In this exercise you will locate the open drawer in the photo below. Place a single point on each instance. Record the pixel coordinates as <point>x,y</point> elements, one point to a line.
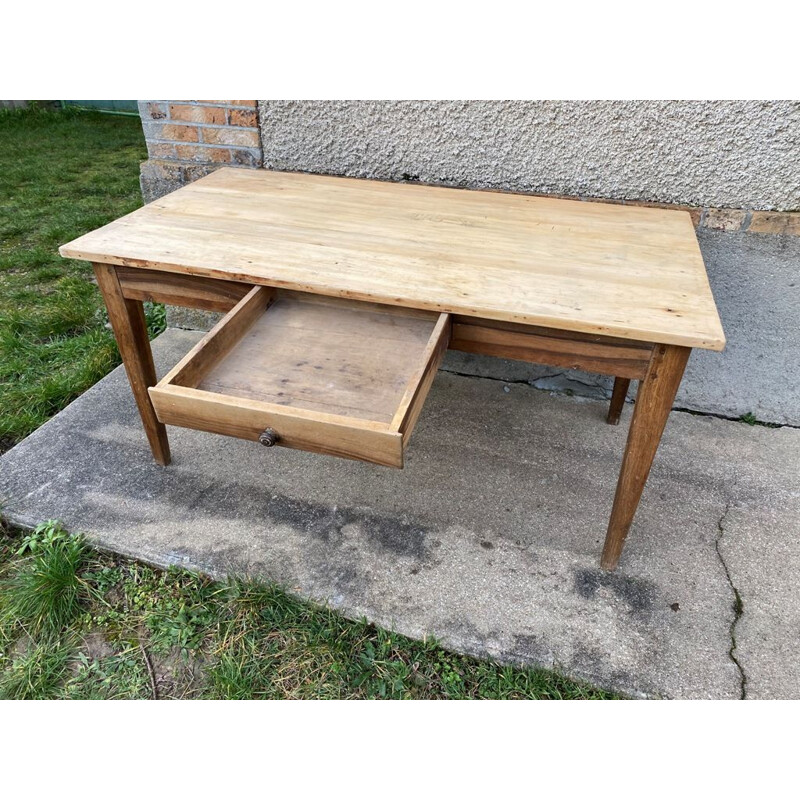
<point>332,376</point>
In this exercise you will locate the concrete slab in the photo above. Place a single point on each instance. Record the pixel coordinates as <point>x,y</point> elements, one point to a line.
<point>488,540</point>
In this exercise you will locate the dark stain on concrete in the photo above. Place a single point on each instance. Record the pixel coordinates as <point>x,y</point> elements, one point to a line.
<point>588,660</point>
<point>397,536</point>
<point>345,578</point>
<point>637,593</point>
<point>311,518</point>
<point>531,648</point>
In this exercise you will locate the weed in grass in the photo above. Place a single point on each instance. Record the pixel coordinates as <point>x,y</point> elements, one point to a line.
<point>43,592</point>
<point>120,676</point>
<point>176,606</point>
<point>155,315</point>
<point>243,671</point>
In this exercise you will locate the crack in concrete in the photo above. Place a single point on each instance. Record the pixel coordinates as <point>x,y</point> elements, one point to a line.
<point>490,378</point>
<point>531,383</point>
<point>738,604</point>
<point>759,423</point>
<point>571,379</point>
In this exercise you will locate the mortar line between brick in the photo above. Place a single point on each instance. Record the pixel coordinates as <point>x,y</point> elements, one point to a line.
<point>206,144</point>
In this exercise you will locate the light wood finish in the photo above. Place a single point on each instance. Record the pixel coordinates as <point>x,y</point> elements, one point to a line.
<point>629,272</point>
<point>612,289</point>
<point>418,386</point>
<point>336,357</point>
<point>603,354</point>
<point>617,400</point>
<point>130,329</point>
<point>653,403</point>
<point>180,290</point>
<point>221,339</point>
<point>333,376</point>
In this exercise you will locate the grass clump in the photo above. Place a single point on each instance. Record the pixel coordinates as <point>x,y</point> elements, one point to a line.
<point>43,592</point>
<point>41,597</point>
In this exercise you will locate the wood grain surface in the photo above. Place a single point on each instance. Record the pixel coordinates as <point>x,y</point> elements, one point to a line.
<point>623,271</point>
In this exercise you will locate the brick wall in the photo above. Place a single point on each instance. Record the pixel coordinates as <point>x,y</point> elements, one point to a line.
<point>187,139</point>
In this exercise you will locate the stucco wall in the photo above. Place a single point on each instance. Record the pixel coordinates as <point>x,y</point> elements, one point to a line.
<point>735,154</point>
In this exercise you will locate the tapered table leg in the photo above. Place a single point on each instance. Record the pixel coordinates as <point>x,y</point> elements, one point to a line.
<point>617,400</point>
<point>130,329</point>
<point>653,403</point>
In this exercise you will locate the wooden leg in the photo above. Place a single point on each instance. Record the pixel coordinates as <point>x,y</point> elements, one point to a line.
<point>617,400</point>
<point>127,321</point>
<point>653,403</point>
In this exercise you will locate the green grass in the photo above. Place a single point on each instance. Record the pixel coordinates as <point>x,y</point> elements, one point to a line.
<point>61,174</point>
<point>43,596</point>
<point>100,624</point>
<point>38,673</point>
<point>75,623</point>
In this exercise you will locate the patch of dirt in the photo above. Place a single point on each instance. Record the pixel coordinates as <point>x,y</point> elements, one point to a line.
<point>95,646</point>
<point>178,676</point>
<point>20,647</point>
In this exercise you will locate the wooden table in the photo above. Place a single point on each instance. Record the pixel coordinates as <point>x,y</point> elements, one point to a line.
<point>343,294</point>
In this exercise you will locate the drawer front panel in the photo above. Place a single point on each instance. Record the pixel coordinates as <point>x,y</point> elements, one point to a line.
<point>336,436</point>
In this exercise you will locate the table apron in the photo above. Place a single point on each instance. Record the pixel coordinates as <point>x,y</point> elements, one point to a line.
<point>178,289</point>
<point>605,355</point>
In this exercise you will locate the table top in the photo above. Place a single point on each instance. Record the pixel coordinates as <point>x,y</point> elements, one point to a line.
<point>618,270</point>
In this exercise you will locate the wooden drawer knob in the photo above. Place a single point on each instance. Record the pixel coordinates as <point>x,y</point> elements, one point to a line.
<point>269,437</point>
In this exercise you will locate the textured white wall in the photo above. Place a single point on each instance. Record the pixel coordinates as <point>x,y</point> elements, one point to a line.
<point>737,154</point>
